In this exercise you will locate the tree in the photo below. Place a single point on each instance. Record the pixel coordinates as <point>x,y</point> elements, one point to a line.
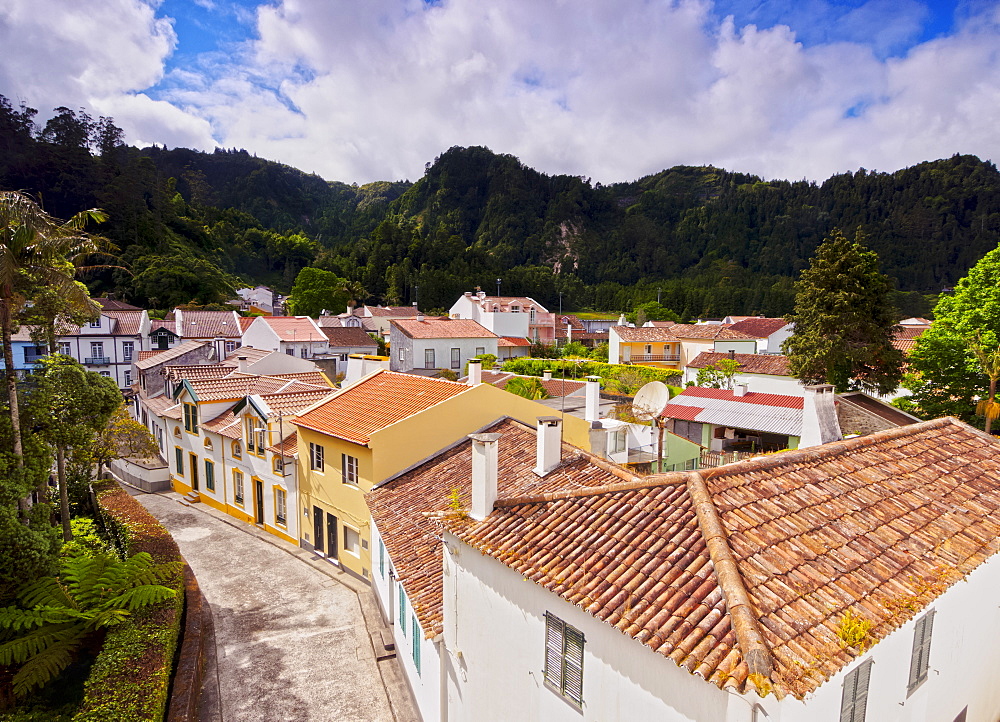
<point>844,320</point>
<point>316,290</point>
<point>122,437</point>
<point>945,376</point>
<point>989,362</point>
<point>650,311</point>
<point>37,251</point>
<point>719,375</point>
<point>528,388</point>
<point>58,614</point>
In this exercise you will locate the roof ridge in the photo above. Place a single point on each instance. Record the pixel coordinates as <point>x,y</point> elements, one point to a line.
<point>636,482</point>
<point>744,618</point>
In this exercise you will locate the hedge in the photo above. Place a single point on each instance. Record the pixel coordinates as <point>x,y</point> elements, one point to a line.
<point>578,369</point>
<point>130,679</point>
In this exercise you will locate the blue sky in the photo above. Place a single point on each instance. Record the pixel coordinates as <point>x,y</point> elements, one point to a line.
<point>361,91</point>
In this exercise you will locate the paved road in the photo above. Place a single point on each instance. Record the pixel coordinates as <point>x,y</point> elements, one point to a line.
<point>292,642</point>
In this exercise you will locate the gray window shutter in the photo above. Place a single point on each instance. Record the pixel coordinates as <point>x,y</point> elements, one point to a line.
<point>920,656</point>
<point>573,675</point>
<point>554,629</point>
<point>854,698</point>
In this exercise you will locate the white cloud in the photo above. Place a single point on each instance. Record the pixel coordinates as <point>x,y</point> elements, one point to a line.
<point>374,90</point>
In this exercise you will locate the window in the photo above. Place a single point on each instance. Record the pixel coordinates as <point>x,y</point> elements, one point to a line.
<point>280,501</point>
<point>238,487</point>
<point>106,374</point>
<point>617,444</point>
<point>315,457</point>
<point>209,475</point>
<point>290,351</point>
<point>349,469</point>
<point>920,659</point>
<point>97,349</point>
<point>402,610</point>
<point>179,460</point>
<point>191,418</point>
<point>65,347</point>
<point>456,358</point>
<point>128,378</point>
<point>278,464</point>
<point>531,320</point>
<point>207,443</point>
<point>649,348</point>
<point>381,558</point>
<point>352,541</point>
<point>854,698</point>
<point>480,350</point>
<point>429,358</point>
<point>304,352</point>
<point>515,309</point>
<point>95,324</point>
<point>256,436</point>
<point>127,348</point>
<point>230,346</point>
<point>237,450</point>
<point>417,639</point>
<point>401,355</point>
<point>564,659</point>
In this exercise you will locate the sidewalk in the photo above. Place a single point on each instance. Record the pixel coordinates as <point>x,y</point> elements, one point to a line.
<point>306,604</point>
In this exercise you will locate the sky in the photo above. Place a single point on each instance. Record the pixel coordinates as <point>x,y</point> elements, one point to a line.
<point>358,91</point>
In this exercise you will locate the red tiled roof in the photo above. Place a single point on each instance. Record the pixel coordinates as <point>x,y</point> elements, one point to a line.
<point>376,401</point>
<point>351,336</point>
<point>441,328</point>
<point>110,304</point>
<point>504,302</point>
<point>245,322</point>
<point>293,328</point>
<point>143,355</point>
<point>880,525</point>
<point>318,378</point>
<point>751,397</point>
<point>239,385</point>
<point>210,324</point>
<point>392,311</point>
<point>708,331</point>
<point>169,354</point>
<point>413,540</point>
<point>644,334</point>
<point>513,341</point>
<point>905,338</point>
<point>156,324</point>
<point>750,363</point>
<point>288,447</point>
<point>759,327</point>
<point>129,323</point>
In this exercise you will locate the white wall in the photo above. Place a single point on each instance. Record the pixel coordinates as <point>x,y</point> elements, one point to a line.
<point>442,350</point>
<point>761,383</point>
<point>495,635</point>
<point>772,344</point>
<point>727,345</point>
<point>506,324</point>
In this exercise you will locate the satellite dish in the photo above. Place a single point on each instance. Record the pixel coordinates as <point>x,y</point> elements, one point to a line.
<point>650,401</point>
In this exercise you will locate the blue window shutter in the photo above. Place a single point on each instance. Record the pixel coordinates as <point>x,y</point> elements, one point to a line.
<point>402,610</point>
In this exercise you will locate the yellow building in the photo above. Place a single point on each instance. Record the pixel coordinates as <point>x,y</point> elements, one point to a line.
<point>377,428</point>
<point>647,346</point>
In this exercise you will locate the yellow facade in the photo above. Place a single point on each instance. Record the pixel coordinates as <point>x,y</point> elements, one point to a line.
<point>659,355</point>
<point>396,448</point>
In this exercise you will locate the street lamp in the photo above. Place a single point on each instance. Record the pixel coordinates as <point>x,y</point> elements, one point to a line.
<point>498,287</point>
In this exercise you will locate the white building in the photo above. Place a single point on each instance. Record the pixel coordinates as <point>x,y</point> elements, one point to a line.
<point>222,328</point>
<point>814,585</point>
<point>109,344</point>
<point>763,373</point>
<point>769,333</point>
<point>429,344</point>
<point>293,335</point>
<point>511,316</point>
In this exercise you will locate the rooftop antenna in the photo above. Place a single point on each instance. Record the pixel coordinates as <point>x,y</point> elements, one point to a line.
<point>648,405</point>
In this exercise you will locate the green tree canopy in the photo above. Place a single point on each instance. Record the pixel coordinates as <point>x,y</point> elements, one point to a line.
<point>718,375</point>
<point>844,320</point>
<point>316,290</point>
<point>946,378</point>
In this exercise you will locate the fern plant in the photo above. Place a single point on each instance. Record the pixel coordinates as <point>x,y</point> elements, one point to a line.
<point>57,615</point>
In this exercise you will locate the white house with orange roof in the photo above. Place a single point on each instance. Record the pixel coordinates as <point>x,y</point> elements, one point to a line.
<point>293,335</point>
<point>769,333</point>
<point>221,328</point>
<point>434,343</point>
<point>514,316</point>
<point>109,344</point>
<point>377,427</point>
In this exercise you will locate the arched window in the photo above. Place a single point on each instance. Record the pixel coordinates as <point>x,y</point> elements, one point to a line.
<point>237,450</point>
<point>177,431</point>
<point>278,463</point>
<point>208,444</point>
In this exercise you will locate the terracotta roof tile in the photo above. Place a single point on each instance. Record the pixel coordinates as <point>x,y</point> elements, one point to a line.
<point>513,341</point>
<point>554,386</point>
<point>156,324</point>
<point>399,507</point>
<point>129,323</point>
<point>317,378</point>
<point>169,354</point>
<point>143,355</point>
<point>110,304</point>
<point>442,328</point>
<point>236,386</point>
<point>349,336</point>
<point>245,322</point>
<point>750,363</point>
<point>288,447</point>
<point>393,311</point>
<point>293,328</point>
<point>708,331</point>
<point>376,401</point>
<point>210,324</point>
<point>751,397</point>
<point>880,525</point>
<point>644,333</point>
<point>505,302</point>
<point>759,327</point>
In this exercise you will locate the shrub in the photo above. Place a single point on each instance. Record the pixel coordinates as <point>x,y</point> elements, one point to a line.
<point>573,368</point>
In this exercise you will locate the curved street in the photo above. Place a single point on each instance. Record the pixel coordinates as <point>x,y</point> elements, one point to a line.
<point>290,630</point>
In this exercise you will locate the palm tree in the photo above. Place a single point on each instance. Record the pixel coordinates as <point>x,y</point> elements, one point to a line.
<point>989,361</point>
<point>36,251</point>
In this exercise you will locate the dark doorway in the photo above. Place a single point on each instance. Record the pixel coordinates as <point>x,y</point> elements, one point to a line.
<point>331,536</point>
<point>318,528</point>
<point>258,487</point>
<point>194,472</point>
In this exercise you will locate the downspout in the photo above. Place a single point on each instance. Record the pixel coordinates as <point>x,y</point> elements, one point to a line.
<point>442,678</point>
<point>740,608</point>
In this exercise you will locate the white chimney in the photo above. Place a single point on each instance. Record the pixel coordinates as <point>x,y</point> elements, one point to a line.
<point>592,404</point>
<point>549,444</point>
<point>468,294</point>
<point>740,390</point>
<point>819,416</point>
<point>475,372</point>
<point>598,438</point>
<point>569,332</point>
<point>420,316</point>
<point>481,295</point>
<point>484,474</point>
<point>242,365</point>
<point>547,375</point>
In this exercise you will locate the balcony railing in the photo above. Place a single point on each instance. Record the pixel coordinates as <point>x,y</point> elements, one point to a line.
<point>97,361</point>
<point>33,358</point>
<point>669,358</point>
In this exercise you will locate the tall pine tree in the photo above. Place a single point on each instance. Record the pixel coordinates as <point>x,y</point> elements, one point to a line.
<point>844,320</point>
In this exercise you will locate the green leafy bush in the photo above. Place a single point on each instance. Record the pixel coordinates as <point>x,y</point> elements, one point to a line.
<point>576,368</point>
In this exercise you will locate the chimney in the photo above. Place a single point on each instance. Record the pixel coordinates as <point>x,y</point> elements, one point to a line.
<point>420,316</point>
<point>592,403</point>
<point>475,372</point>
<point>484,474</point>
<point>732,354</point>
<point>740,390</point>
<point>481,295</point>
<point>547,375</point>
<point>468,294</point>
<point>598,438</point>
<point>549,444</point>
<point>242,365</point>
<point>819,416</point>
<point>569,332</point>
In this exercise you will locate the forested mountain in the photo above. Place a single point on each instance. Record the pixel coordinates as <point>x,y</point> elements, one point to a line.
<point>190,224</point>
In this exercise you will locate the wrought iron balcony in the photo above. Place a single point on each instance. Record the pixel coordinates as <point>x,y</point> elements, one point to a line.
<point>97,361</point>
<point>668,358</point>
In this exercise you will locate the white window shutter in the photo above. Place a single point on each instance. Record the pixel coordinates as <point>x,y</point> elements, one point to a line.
<point>554,629</point>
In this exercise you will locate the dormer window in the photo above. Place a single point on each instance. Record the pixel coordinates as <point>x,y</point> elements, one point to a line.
<point>515,309</point>
<point>95,324</point>
<point>278,464</point>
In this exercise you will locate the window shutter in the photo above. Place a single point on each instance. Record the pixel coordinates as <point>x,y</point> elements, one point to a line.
<point>554,633</point>
<point>920,656</point>
<point>417,639</point>
<point>573,674</point>
<point>402,610</point>
<point>854,699</point>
